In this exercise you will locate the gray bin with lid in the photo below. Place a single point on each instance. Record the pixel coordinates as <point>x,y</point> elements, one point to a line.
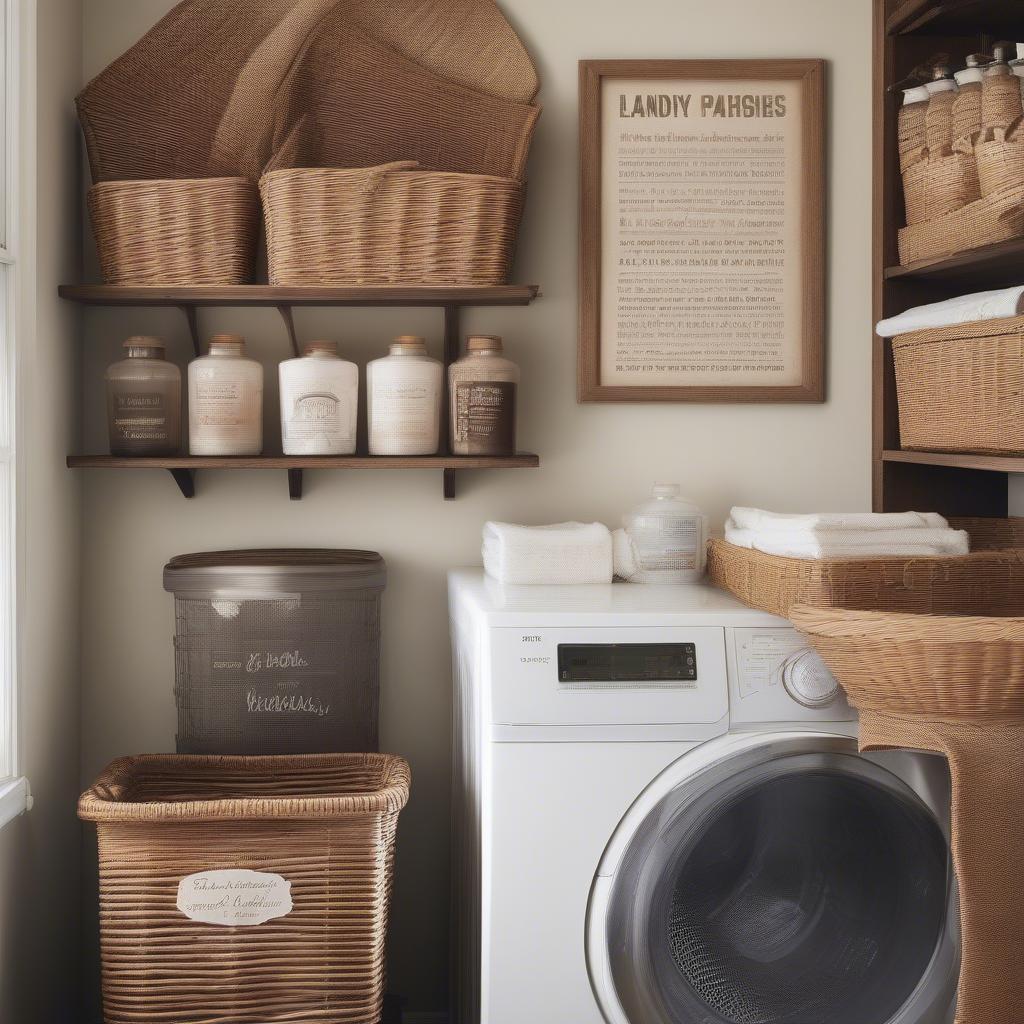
<point>276,652</point>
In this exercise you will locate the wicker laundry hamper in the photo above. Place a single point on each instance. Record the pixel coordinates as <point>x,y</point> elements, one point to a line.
<point>953,685</point>
<point>242,890</point>
<point>984,582</point>
<point>961,388</point>
<point>392,224</point>
<point>196,231</point>
<point>276,651</point>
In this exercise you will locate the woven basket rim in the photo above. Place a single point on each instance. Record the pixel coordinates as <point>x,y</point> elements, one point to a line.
<point>973,330</point>
<point>879,560</point>
<point>179,182</point>
<point>103,801</point>
<point>933,626</point>
<point>326,172</point>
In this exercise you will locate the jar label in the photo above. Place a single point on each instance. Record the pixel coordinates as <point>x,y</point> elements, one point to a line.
<point>485,417</point>
<point>234,897</point>
<point>219,403</point>
<point>316,416</point>
<point>140,417</point>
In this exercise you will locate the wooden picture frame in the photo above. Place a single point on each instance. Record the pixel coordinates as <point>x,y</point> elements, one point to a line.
<point>799,363</point>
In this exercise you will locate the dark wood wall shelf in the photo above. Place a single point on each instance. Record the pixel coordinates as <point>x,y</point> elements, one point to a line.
<point>450,299</point>
<point>184,467</point>
<point>908,32</point>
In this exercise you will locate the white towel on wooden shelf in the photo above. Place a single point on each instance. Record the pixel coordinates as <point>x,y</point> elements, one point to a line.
<point>924,542</point>
<point>560,553</point>
<point>822,522</point>
<point>964,309</point>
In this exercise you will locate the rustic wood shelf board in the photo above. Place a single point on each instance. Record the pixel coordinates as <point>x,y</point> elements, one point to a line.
<point>959,460</point>
<point>184,467</point>
<point>268,295</point>
<point>992,266</point>
<point>955,17</point>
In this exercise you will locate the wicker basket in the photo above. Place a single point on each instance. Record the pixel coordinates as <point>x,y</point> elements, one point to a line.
<point>319,831</point>
<point>983,582</point>
<point>1000,164</point>
<point>191,231</point>
<point>961,388</point>
<point>995,218</point>
<point>955,686</point>
<point>1001,106</point>
<point>935,188</point>
<point>391,224</point>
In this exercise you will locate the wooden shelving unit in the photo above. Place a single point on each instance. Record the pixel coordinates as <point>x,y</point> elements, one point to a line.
<point>451,300</point>
<point>907,32</point>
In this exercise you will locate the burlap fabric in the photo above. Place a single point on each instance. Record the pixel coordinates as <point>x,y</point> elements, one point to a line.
<point>955,686</point>
<point>215,87</point>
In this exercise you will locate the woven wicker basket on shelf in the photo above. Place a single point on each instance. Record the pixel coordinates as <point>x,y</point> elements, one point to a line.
<point>960,388</point>
<point>191,231</point>
<point>983,582</point>
<point>995,218</point>
<point>392,224</point>
<point>319,828</point>
<point>1000,164</point>
<point>935,188</point>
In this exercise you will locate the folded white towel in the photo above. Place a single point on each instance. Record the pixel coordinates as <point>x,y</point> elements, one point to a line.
<point>994,305</point>
<point>623,557</point>
<point>851,544</point>
<point>561,553</point>
<point>825,522</point>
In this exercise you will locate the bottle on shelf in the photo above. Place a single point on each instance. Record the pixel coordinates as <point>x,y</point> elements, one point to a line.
<point>967,105</point>
<point>913,139</point>
<point>225,400</point>
<point>939,119</point>
<point>1002,105</point>
<point>482,388</point>
<point>319,402</point>
<point>144,401</point>
<point>403,399</point>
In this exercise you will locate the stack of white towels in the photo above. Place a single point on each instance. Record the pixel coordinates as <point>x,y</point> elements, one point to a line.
<point>845,534</point>
<point>566,553</point>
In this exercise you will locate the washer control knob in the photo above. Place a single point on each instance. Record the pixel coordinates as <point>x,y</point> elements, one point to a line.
<point>808,681</point>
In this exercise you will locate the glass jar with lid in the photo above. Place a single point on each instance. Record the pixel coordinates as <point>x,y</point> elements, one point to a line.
<point>403,399</point>
<point>482,387</point>
<point>666,536</point>
<point>144,401</point>
<point>319,402</point>
<point>225,400</point>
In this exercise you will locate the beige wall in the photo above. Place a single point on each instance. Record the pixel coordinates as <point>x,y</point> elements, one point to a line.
<point>597,460</point>
<point>39,852</point>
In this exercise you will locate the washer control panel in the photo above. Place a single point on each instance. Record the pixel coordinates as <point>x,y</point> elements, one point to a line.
<point>775,676</point>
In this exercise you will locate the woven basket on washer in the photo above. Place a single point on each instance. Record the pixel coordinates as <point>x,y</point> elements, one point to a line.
<point>935,188</point>
<point>190,231</point>
<point>961,388</point>
<point>319,829</point>
<point>983,582</point>
<point>995,218</point>
<point>952,685</point>
<point>392,224</point>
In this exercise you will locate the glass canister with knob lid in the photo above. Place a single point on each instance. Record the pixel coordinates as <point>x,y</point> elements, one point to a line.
<point>665,537</point>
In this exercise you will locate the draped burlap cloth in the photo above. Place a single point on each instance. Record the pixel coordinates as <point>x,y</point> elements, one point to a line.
<point>955,686</point>
<point>217,86</point>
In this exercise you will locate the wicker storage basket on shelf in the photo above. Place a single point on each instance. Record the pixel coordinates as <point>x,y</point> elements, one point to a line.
<point>392,224</point>
<point>982,583</point>
<point>935,188</point>
<point>960,388</point>
<point>995,218</point>
<point>1000,165</point>
<point>298,937</point>
<point>953,685</point>
<point>192,231</point>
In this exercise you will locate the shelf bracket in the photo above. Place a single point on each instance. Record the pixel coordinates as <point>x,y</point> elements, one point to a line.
<point>192,318</point>
<point>448,484</point>
<point>289,323</point>
<point>186,481</point>
<point>295,484</point>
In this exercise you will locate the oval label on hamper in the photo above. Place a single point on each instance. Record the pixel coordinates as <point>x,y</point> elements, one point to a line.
<point>234,897</point>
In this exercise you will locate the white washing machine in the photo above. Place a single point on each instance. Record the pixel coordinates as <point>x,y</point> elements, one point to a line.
<point>661,818</point>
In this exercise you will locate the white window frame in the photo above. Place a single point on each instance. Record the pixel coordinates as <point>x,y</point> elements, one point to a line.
<point>14,790</point>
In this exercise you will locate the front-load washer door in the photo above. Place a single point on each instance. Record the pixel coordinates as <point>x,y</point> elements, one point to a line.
<point>792,881</point>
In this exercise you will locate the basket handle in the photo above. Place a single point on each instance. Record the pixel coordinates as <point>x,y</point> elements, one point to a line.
<point>375,175</point>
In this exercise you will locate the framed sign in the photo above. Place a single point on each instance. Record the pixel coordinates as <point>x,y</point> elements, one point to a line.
<point>702,240</point>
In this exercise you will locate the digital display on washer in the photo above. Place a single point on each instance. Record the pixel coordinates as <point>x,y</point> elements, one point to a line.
<point>627,663</point>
